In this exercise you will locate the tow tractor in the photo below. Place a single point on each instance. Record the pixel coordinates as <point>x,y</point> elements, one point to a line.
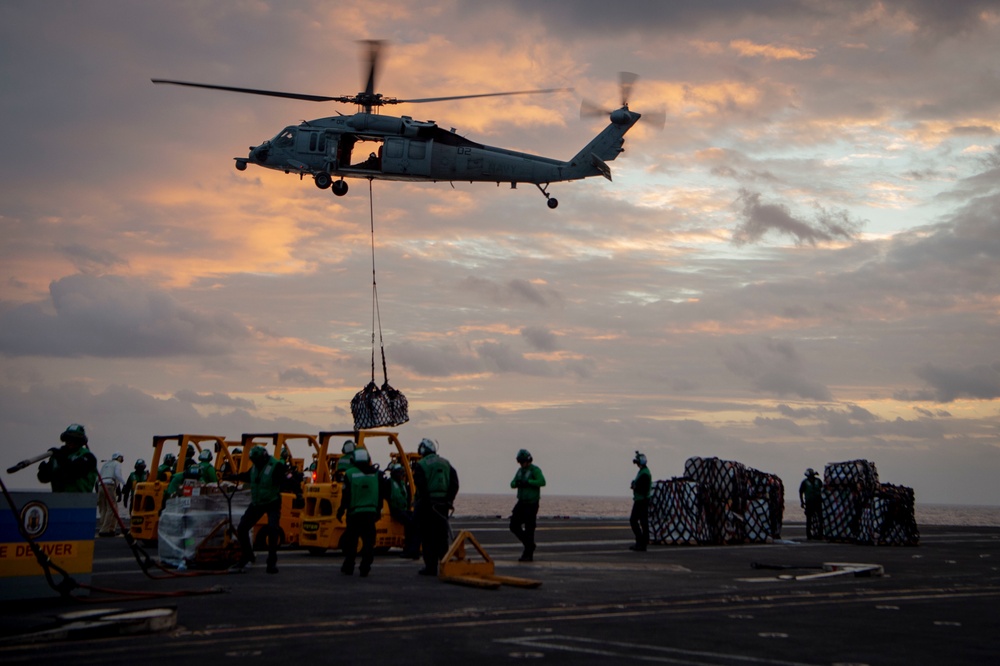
<point>321,530</point>
<point>292,502</point>
<point>150,494</point>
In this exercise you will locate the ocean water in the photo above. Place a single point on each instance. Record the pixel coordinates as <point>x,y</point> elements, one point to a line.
<point>579,506</point>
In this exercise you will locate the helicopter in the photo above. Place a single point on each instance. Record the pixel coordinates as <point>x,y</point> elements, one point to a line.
<point>373,146</point>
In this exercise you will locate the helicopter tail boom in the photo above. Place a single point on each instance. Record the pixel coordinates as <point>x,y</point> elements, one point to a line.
<point>606,146</point>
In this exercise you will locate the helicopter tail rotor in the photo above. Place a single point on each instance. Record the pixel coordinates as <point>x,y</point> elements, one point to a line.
<point>626,83</point>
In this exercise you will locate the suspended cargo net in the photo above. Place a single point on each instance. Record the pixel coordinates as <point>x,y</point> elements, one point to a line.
<point>716,502</point>
<point>375,406</point>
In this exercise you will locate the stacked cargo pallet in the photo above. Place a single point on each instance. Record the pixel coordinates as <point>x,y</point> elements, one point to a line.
<point>857,508</point>
<point>715,502</point>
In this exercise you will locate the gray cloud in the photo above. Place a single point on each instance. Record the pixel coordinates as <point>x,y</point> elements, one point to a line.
<point>300,377</point>
<point>89,259</point>
<point>214,399</point>
<point>981,382</point>
<point>113,317</point>
<point>513,292</point>
<point>760,218</point>
<point>774,367</point>
<point>540,338</point>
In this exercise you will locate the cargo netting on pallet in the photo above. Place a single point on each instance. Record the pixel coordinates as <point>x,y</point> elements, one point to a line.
<point>715,502</point>
<point>848,488</point>
<point>889,520</point>
<point>374,407</point>
<point>857,508</point>
<point>677,513</point>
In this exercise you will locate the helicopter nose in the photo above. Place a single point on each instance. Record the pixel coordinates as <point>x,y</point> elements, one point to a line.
<point>259,153</point>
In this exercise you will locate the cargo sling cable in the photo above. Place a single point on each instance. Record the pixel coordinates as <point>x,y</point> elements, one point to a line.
<point>376,314</point>
<point>67,584</point>
<point>374,407</point>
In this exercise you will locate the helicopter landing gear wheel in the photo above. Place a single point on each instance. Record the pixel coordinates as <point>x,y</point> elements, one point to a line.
<point>323,180</point>
<point>340,188</point>
<point>550,200</point>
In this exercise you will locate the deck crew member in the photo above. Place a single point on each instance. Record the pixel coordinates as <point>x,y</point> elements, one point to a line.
<point>810,498</point>
<point>399,509</point>
<point>206,469</point>
<point>265,477</point>
<point>139,475</point>
<point>164,471</point>
<point>642,488</point>
<point>436,484</point>
<point>109,491</point>
<point>72,468</point>
<point>528,480</point>
<point>361,499</point>
<point>346,461</point>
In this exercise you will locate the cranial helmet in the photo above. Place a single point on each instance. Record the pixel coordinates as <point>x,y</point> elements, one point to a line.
<point>140,463</point>
<point>117,456</point>
<point>205,455</point>
<point>524,455</point>
<point>427,446</point>
<point>640,458</point>
<point>362,457</point>
<point>170,459</point>
<point>258,452</point>
<point>810,472</point>
<point>348,446</point>
<point>74,432</point>
<point>395,469</point>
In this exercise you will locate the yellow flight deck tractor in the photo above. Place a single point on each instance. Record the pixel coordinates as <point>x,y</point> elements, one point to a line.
<point>300,448</point>
<point>150,495</point>
<point>321,530</point>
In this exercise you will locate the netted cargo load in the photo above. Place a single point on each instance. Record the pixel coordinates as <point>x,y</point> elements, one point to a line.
<point>374,407</point>
<point>767,502</point>
<point>677,513</point>
<point>859,474</point>
<point>889,519</point>
<point>848,490</point>
<point>841,508</point>
<point>729,489</point>
<point>186,523</point>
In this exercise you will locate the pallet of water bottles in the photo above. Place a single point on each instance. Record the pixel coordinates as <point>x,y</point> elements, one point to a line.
<point>857,508</point>
<point>716,502</point>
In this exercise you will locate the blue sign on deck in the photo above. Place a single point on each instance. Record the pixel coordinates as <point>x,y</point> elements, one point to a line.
<point>61,524</point>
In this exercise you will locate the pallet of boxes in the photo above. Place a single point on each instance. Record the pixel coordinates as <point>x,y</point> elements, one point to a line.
<point>716,502</point>
<point>857,508</point>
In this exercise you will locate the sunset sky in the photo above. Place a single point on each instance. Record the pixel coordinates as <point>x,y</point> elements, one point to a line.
<point>801,267</point>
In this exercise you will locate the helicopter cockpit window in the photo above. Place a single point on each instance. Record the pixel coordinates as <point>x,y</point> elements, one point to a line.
<point>285,138</point>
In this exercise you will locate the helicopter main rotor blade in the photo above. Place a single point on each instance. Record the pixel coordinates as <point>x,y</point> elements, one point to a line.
<point>497,94</point>
<point>374,48</point>
<point>254,91</point>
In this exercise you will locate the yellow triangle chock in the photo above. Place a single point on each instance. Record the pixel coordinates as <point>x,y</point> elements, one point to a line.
<point>457,567</point>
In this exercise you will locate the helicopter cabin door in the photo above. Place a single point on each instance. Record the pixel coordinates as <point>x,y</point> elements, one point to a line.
<point>407,156</point>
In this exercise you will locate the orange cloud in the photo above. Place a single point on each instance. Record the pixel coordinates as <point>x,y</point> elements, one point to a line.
<point>749,49</point>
